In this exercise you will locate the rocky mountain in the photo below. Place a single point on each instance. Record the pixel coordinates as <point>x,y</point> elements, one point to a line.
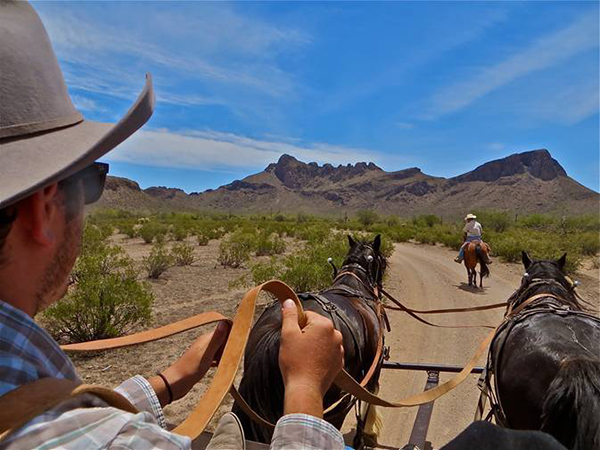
<point>524,182</point>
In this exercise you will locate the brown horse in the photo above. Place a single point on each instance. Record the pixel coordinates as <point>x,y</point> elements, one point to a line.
<point>477,252</point>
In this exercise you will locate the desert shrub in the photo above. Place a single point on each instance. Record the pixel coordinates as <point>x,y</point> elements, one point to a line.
<point>265,271</point>
<point>426,220</point>
<point>279,218</point>
<point>106,300</point>
<point>312,233</point>
<point>587,243</point>
<point>424,237</point>
<point>498,221</point>
<point>128,230</point>
<point>302,217</point>
<point>202,238</point>
<point>235,250</point>
<point>537,222</point>
<point>158,261</point>
<point>269,244</point>
<point>392,221</point>
<point>367,217</point>
<point>179,232</point>
<point>147,232</point>
<point>182,254</point>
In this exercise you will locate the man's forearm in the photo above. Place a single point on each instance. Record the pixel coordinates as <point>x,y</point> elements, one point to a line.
<point>300,399</point>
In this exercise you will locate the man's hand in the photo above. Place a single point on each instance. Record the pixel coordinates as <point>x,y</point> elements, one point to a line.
<point>184,373</point>
<point>309,360</point>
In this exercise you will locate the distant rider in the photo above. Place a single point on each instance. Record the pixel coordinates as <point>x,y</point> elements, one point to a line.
<point>472,232</point>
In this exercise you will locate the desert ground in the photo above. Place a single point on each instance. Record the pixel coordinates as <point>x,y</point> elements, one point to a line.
<point>422,276</point>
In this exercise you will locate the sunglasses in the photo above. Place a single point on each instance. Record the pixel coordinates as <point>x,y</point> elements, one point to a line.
<point>93,178</point>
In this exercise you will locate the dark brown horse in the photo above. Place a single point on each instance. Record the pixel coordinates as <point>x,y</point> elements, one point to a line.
<point>546,360</point>
<point>477,252</point>
<point>352,304</point>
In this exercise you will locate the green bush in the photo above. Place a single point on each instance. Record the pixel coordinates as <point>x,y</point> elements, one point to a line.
<point>236,249</point>
<point>182,254</point>
<point>269,244</point>
<point>158,261</point>
<point>106,300</point>
<point>179,233</point>
<point>147,232</point>
<point>367,217</point>
<point>498,221</point>
<point>128,230</point>
<point>202,238</point>
<point>426,220</point>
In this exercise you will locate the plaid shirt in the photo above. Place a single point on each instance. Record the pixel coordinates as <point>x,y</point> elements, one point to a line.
<point>28,353</point>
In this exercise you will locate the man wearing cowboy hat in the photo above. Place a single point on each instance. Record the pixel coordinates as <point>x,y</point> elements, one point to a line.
<point>472,232</point>
<point>48,171</point>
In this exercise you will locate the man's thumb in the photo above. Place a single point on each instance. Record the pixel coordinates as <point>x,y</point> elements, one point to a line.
<point>289,314</point>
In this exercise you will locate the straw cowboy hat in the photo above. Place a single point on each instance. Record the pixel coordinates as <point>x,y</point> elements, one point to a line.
<point>43,138</point>
<point>470,216</point>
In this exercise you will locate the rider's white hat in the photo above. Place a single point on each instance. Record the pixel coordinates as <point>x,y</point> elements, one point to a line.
<point>470,216</point>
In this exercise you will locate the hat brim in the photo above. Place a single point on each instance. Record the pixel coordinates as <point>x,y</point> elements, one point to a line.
<point>35,161</point>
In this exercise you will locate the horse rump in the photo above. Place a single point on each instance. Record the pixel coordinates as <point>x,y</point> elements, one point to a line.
<point>571,411</point>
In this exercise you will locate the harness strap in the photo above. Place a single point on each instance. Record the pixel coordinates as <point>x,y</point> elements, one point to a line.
<point>411,313</point>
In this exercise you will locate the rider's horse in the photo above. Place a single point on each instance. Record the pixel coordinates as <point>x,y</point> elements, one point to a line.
<point>545,360</point>
<point>477,252</point>
<point>352,304</point>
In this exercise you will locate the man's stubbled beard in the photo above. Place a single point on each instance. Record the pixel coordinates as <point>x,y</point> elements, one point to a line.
<point>54,280</point>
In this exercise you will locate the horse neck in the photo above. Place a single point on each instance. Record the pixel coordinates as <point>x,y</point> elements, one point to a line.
<point>354,282</point>
<point>563,295</point>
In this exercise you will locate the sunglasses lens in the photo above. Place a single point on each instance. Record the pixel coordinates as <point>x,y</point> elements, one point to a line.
<point>93,183</point>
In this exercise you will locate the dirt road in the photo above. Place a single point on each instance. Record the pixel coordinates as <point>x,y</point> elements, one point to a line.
<point>425,277</point>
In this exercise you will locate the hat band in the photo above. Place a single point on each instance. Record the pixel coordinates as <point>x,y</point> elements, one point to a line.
<point>24,129</point>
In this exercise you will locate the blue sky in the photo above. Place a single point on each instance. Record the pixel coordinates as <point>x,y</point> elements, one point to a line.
<point>444,86</point>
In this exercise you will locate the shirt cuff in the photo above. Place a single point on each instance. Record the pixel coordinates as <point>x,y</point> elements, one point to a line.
<point>141,395</point>
<point>305,432</point>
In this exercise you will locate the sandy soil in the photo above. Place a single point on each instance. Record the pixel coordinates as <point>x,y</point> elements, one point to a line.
<point>423,277</point>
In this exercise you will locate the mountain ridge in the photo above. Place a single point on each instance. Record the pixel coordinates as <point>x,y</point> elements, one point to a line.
<point>526,182</point>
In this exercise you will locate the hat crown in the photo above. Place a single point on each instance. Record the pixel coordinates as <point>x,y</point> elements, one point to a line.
<point>33,93</point>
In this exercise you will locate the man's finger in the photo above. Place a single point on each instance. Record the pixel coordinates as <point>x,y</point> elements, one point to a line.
<point>289,314</point>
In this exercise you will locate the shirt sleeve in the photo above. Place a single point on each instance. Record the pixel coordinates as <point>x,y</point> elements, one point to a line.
<point>466,228</point>
<point>305,432</point>
<point>141,395</point>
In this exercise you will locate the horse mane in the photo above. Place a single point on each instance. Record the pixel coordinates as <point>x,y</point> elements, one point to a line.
<point>546,277</point>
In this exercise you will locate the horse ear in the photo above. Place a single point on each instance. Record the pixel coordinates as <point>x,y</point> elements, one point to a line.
<point>377,243</point>
<point>351,241</point>
<point>562,261</point>
<point>526,259</point>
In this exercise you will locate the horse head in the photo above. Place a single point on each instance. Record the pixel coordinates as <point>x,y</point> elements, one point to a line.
<point>365,261</point>
<point>546,276</point>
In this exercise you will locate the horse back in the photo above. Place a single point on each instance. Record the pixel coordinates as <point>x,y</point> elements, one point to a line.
<point>527,356</point>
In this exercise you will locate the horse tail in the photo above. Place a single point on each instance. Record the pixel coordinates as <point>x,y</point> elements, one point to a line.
<point>571,411</point>
<point>485,270</point>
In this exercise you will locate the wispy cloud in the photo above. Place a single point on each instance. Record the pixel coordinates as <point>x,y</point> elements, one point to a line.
<point>209,52</point>
<point>212,150</point>
<point>405,125</point>
<point>579,36</point>
<point>86,104</point>
<point>495,146</point>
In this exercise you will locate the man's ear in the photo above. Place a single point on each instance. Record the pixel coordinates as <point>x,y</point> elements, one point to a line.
<point>37,213</point>
<point>377,243</point>
<point>562,261</point>
<point>526,259</point>
<point>351,241</point>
